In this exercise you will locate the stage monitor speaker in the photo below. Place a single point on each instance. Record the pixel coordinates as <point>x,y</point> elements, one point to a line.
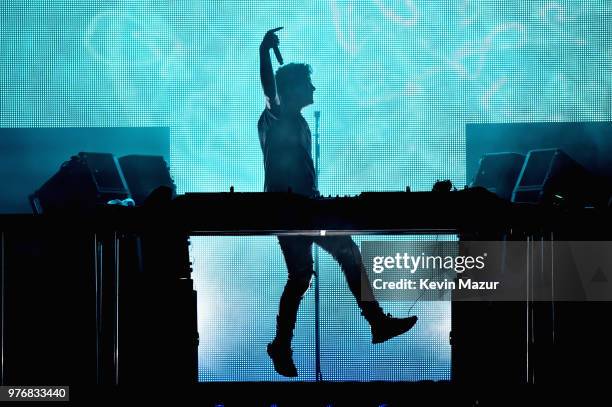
<point>82,183</point>
<point>498,172</point>
<point>551,177</point>
<point>144,174</point>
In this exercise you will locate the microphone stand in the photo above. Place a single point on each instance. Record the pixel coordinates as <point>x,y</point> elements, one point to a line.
<point>318,373</point>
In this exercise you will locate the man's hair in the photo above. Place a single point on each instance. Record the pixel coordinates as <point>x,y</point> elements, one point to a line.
<point>288,75</point>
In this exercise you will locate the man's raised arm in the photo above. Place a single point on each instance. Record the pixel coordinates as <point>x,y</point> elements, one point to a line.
<point>266,73</point>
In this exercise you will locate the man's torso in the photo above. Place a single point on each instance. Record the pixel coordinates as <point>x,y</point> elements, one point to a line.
<point>286,144</point>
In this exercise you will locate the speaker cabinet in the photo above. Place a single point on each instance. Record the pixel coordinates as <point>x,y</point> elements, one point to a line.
<point>82,183</point>
<point>498,173</point>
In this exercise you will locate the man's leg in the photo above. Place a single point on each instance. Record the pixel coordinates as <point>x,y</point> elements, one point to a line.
<point>298,258</point>
<point>347,254</point>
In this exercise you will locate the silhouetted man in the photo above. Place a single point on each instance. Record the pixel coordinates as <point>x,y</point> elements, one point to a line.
<point>285,141</point>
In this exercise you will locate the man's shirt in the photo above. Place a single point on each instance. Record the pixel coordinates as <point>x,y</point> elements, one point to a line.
<point>286,143</point>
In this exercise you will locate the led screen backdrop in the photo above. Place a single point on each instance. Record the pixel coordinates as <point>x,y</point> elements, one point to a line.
<point>397,81</point>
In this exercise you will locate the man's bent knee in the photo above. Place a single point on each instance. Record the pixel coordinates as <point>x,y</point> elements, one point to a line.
<point>349,256</point>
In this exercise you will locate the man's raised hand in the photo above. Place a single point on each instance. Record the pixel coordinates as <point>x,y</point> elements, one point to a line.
<point>270,40</point>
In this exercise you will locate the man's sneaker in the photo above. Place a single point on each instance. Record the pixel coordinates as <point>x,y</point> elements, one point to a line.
<point>388,327</point>
<point>283,360</point>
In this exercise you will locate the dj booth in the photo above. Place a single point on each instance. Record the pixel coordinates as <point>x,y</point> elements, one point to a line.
<point>83,279</point>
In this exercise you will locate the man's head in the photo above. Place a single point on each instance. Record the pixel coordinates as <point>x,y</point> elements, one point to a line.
<point>294,85</point>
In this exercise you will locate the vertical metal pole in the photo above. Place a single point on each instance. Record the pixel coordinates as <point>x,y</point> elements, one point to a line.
<point>530,309</point>
<point>98,293</point>
<point>116,336</point>
<point>552,283</point>
<point>318,373</point>
<point>527,311</point>
<point>2,344</point>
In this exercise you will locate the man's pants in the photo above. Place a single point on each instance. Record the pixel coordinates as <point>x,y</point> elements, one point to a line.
<point>297,251</point>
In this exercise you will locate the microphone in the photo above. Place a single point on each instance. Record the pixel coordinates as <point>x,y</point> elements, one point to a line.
<point>271,32</point>
<point>279,57</point>
<point>317,115</point>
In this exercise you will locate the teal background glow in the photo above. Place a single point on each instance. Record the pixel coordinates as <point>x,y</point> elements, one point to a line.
<point>396,83</point>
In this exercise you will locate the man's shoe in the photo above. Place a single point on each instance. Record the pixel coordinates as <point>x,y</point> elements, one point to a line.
<point>283,360</point>
<point>388,327</point>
